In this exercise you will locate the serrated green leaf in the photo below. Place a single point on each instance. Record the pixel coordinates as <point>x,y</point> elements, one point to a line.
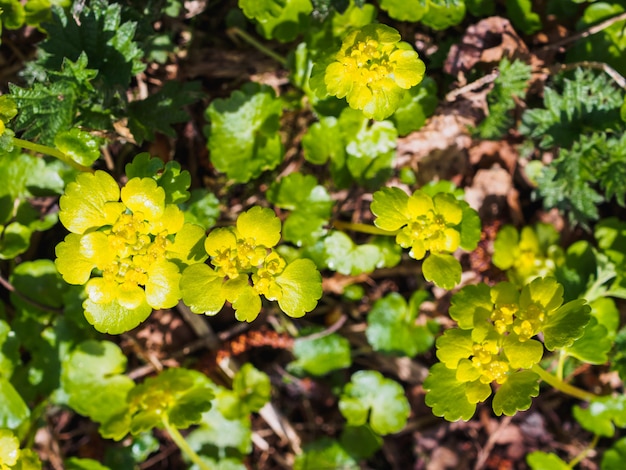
<point>279,19</point>
<point>8,109</point>
<point>522,355</point>
<point>373,399</point>
<point>188,246</point>
<point>243,135</point>
<point>92,377</point>
<point>391,327</point>
<point>446,395</point>
<point>455,344</point>
<point>543,461</point>
<point>159,111</point>
<point>100,33</point>
<point>442,269</point>
<point>566,325</point>
<point>515,394</point>
<point>602,415</point>
<point>321,355</point>
<point>323,141</point>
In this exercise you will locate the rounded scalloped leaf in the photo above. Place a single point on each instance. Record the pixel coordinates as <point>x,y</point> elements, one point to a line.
<point>301,285</point>
<point>442,269</point>
<point>455,344</point>
<point>201,289</point>
<point>177,396</point>
<point>188,246</point>
<point>261,225</point>
<point>14,240</point>
<point>470,305</point>
<point>546,292</point>
<point>516,393</point>
<point>78,145</point>
<point>374,399</point>
<point>449,207</point>
<point>470,228</point>
<point>252,388</point>
<point>446,395</point>
<point>73,266</point>
<point>542,461</point>
<point>13,410</point>
<point>113,318</point>
<point>142,195</point>
<point>9,448</point>
<point>162,289</point>
<point>90,202</point>
<point>320,355</point>
<point>389,205</point>
<point>244,299</point>
<point>522,355</point>
<point>602,415</point>
<point>566,325</point>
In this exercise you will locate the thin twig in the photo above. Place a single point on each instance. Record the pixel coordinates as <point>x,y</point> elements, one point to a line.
<point>483,455</point>
<point>586,33</point>
<point>331,329</point>
<point>610,71</point>
<point>475,85</point>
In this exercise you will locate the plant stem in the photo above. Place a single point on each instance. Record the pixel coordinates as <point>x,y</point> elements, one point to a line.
<point>561,364</point>
<point>184,446</point>
<point>561,385</point>
<point>50,151</point>
<point>362,228</point>
<point>579,458</point>
<point>258,46</point>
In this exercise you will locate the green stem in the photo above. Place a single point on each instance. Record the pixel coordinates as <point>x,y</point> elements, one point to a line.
<point>561,364</point>
<point>50,151</point>
<point>184,446</point>
<point>258,46</point>
<point>362,228</point>
<point>579,458</point>
<point>562,386</point>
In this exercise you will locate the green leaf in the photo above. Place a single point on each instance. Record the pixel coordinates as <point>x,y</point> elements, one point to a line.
<point>593,346</point>
<point>159,111</point>
<point>442,14</point>
<point>202,208</point>
<point>411,10</point>
<point>446,395</point>
<point>79,146</point>
<point>176,396</point>
<point>392,327</point>
<point>99,32</point>
<point>13,410</point>
<point>243,133</point>
<point>523,17</point>
<point>230,436</point>
<point>9,448</point>
<point>278,19</point>
<point>360,441</point>
<point>188,246</point>
<point>602,415</point>
<point>38,281</point>
<point>613,458</point>
<point>14,240</point>
<point>75,463</point>
<point>515,394</point>
<point>442,269</point>
<point>301,285</point>
<point>113,317</point>
<point>455,344</point>
<point>566,325</point>
<point>94,381</point>
<point>373,399</point>
<point>8,108</point>
<point>325,453</point>
<point>252,388</point>
<point>323,141</point>
<point>343,256</point>
<point>389,205</point>
<point>9,349</point>
<point>320,355</point>
<point>12,14</point>
<point>201,289</point>
<point>471,305</point>
<point>543,461</point>
<point>417,106</point>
